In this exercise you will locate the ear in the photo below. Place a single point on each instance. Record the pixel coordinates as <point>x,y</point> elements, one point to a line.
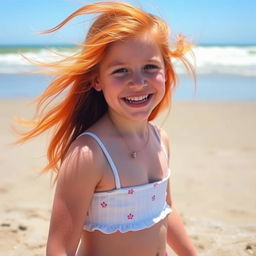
<point>96,84</point>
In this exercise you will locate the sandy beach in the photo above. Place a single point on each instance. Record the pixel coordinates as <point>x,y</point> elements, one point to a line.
<point>213,163</point>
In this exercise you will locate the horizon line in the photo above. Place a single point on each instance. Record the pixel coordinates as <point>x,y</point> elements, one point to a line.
<point>74,45</point>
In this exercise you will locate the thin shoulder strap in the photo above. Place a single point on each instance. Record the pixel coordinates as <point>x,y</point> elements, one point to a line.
<point>110,161</point>
<point>156,131</point>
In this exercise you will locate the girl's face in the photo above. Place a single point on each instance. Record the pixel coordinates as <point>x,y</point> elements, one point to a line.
<point>132,77</point>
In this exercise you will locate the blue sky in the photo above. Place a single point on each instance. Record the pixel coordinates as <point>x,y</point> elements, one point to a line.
<point>204,22</point>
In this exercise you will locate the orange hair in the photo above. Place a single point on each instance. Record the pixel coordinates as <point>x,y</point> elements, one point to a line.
<point>82,105</point>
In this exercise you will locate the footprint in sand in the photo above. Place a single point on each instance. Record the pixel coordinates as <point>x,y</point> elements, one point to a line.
<point>251,249</point>
<point>6,226</point>
<point>10,235</point>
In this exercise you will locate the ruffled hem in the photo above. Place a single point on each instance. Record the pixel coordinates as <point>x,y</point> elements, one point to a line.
<point>123,228</point>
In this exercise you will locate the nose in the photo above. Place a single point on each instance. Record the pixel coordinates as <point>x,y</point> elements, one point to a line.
<point>138,80</point>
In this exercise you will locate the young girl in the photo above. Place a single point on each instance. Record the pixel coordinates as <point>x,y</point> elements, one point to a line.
<point>113,181</point>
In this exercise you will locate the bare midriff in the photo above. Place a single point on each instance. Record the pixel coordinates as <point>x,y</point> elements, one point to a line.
<point>147,242</point>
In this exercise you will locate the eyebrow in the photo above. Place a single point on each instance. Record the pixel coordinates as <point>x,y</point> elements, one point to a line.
<point>119,63</point>
<point>115,63</point>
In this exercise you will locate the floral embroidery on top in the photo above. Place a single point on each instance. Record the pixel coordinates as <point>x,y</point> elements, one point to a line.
<point>153,198</point>
<point>130,191</point>
<point>130,216</point>
<point>103,204</point>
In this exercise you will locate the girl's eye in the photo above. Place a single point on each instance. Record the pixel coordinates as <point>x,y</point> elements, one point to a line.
<point>150,67</point>
<point>120,71</point>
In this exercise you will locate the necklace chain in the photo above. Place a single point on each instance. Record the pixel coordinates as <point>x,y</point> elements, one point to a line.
<point>132,153</point>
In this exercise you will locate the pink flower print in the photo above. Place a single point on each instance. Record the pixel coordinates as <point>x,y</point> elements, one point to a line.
<point>103,204</point>
<point>130,216</point>
<point>155,184</point>
<point>153,198</point>
<point>130,191</point>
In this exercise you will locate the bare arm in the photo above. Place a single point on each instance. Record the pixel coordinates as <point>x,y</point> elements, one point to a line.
<point>177,237</point>
<point>76,183</point>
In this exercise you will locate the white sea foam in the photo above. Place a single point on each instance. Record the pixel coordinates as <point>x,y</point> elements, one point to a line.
<point>237,60</point>
<point>225,60</point>
<point>12,63</point>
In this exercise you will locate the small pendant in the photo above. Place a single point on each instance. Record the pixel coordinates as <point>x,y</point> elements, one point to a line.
<point>133,154</point>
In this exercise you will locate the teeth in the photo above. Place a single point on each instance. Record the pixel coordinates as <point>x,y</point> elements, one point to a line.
<point>140,98</point>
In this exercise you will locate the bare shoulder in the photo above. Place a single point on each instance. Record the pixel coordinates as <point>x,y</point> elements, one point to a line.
<point>163,136</point>
<point>78,176</point>
<point>82,163</point>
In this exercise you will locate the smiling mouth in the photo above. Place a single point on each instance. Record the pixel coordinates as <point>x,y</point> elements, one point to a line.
<point>137,99</point>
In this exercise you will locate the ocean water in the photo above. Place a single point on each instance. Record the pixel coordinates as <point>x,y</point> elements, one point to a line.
<point>223,72</point>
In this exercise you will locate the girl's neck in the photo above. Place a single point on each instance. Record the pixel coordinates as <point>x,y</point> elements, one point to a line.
<point>128,127</point>
<point>134,134</point>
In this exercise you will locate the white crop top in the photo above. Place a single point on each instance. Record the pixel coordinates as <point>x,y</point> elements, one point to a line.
<point>128,208</point>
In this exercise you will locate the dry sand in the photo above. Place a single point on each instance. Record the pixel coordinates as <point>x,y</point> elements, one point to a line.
<point>213,164</point>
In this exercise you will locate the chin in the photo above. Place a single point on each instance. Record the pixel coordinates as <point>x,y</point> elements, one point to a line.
<point>139,116</point>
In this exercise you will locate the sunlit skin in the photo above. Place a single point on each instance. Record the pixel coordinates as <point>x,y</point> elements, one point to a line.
<point>120,79</point>
<point>132,78</point>
<point>132,68</point>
